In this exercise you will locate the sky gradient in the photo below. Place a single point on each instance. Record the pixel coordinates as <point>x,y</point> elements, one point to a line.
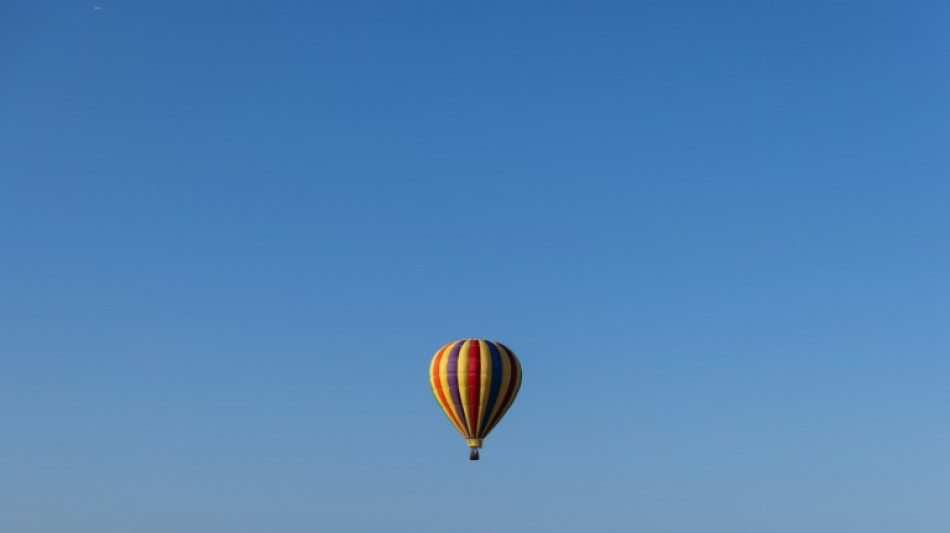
<point>233,234</point>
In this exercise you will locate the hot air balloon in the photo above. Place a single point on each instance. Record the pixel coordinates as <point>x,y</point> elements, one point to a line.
<point>475,381</point>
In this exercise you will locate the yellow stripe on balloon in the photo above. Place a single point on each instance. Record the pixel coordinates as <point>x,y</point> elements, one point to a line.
<point>437,389</point>
<point>505,370</point>
<point>449,406</point>
<point>463,384</point>
<point>514,372</point>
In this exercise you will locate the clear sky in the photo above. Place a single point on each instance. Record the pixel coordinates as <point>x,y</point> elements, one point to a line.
<point>233,234</point>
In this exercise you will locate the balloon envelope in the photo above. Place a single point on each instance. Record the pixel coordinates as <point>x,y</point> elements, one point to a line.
<point>475,381</point>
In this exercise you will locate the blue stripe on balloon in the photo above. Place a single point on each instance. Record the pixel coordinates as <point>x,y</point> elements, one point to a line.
<point>496,371</point>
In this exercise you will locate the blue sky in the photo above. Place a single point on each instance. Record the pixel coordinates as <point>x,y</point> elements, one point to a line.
<point>232,235</point>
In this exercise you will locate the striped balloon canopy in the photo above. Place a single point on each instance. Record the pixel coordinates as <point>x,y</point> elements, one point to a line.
<point>475,381</point>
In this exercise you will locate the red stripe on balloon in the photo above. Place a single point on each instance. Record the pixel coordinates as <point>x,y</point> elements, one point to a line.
<point>474,382</point>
